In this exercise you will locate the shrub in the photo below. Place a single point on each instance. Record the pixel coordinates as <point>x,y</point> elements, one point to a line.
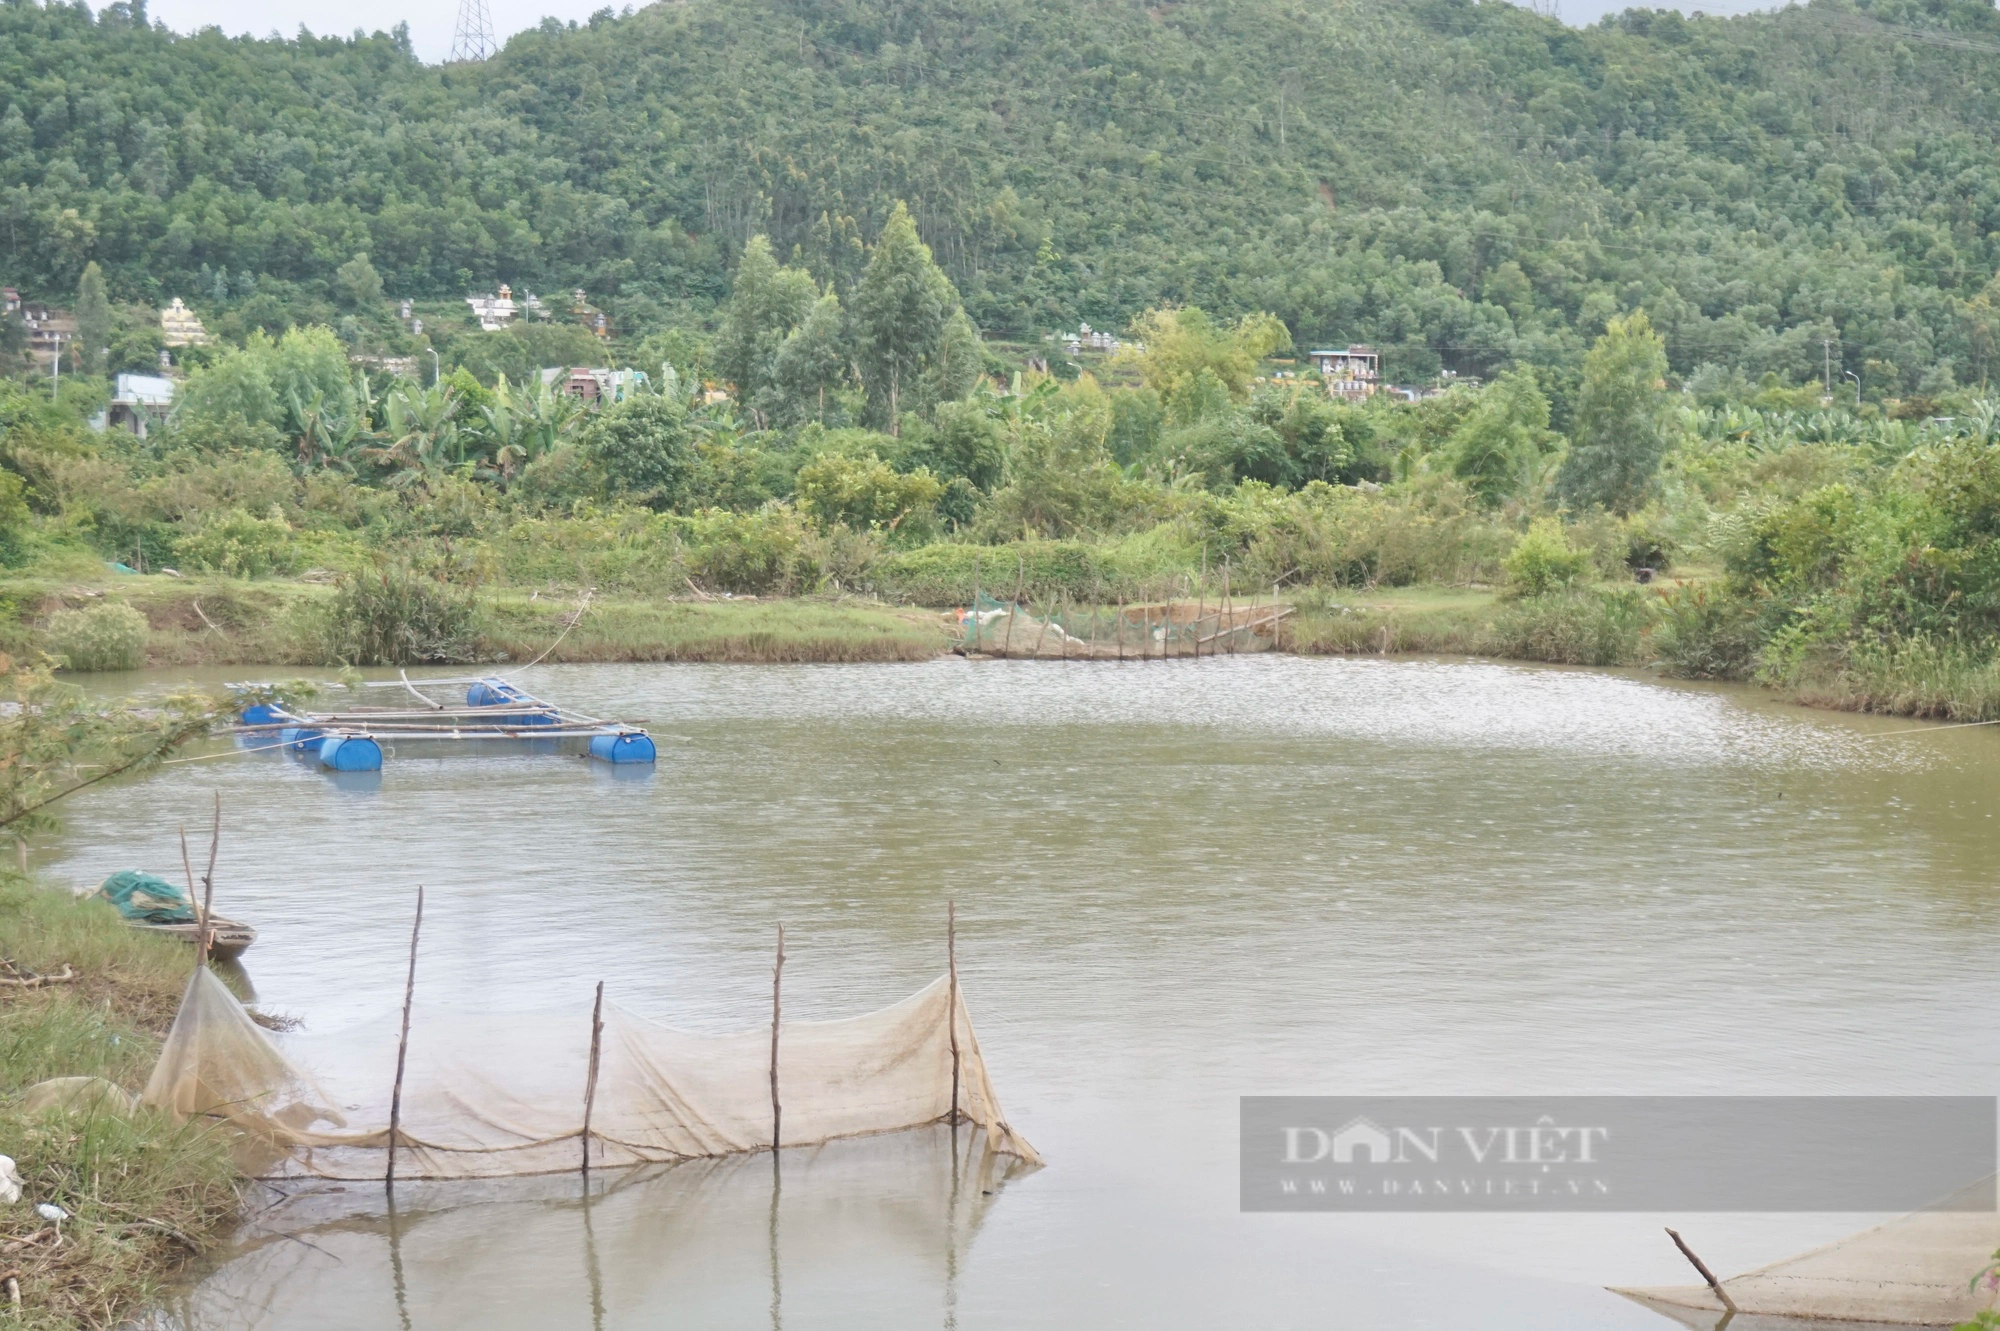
<point>1543,561</point>
<point>866,494</point>
<point>1705,634</point>
<point>761,553</point>
<point>393,614</point>
<point>107,636</point>
<point>1575,627</point>
<point>240,545</point>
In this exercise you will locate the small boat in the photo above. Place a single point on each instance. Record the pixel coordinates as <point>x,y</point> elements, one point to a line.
<point>227,938</point>
<point>156,906</point>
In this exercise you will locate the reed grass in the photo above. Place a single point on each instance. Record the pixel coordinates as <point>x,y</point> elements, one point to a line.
<point>143,1192</point>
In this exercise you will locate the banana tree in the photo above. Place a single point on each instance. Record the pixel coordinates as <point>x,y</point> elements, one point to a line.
<point>422,441</point>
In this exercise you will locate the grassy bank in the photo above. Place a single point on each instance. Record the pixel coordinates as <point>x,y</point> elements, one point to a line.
<point>229,621</point>
<point>143,1192</point>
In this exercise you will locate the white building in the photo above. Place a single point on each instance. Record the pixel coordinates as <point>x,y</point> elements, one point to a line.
<point>179,327</point>
<point>1354,373</point>
<point>496,311</point>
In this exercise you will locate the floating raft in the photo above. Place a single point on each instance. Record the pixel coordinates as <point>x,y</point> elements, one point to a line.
<point>356,739</point>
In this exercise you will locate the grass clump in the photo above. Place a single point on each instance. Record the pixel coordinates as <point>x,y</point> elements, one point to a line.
<point>108,636</point>
<point>143,1191</point>
<point>392,614</point>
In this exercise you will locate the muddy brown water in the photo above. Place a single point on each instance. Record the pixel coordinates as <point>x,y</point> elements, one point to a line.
<point>1177,884</point>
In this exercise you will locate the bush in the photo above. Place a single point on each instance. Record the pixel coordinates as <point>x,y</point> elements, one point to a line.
<point>107,636</point>
<point>866,495</point>
<point>393,614</point>
<point>762,553</point>
<point>1705,634</point>
<point>1575,627</point>
<point>239,545</point>
<point>1543,561</point>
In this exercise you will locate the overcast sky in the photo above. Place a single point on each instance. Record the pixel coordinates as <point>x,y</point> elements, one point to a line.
<point>432,21</point>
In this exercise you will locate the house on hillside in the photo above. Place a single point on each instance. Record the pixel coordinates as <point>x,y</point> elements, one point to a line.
<point>1353,374</point>
<point>139,402</point>
<point>496,311</point>
<point>10,301</point>
<point>1086,338</point>
<point>601,385</point>
<point>48,330</point>
<point>179,327</point>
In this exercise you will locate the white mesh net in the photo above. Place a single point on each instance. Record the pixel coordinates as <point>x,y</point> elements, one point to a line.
<point>485,1096</point>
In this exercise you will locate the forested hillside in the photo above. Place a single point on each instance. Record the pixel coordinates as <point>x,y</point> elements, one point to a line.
<point>1465,184</point>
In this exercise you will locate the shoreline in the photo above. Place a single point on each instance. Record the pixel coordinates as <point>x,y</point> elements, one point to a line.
<point>255,623</point>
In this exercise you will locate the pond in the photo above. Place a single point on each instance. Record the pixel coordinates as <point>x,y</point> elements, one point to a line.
<point>1176,884</point>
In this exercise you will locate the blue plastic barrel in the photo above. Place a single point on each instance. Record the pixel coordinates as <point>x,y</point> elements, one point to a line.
<point>263,714</point>
<point>626,748</point>
<point>350,753</point>
<point>300,739</point>
<point>490,693</point>
<point>499,693</point>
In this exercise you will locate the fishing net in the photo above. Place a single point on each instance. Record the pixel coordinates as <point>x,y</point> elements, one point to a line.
<point>1060,629</point>
<point>485,1097</point>
<point>1916,1270</point>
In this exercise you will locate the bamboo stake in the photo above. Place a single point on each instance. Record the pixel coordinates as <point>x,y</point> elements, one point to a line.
<point>1120,629</point>
<point>590,1086</point>
<point>1047,611</point>
<point>403,1044</point>
<point>951,957</point>
<point>1706,1274</point>
<point>1228,606</point>
<point>777,977</point>
<point>975,602</point>
<point>1200,603</point>
<point>1014,606</point>
<point>208,883</point>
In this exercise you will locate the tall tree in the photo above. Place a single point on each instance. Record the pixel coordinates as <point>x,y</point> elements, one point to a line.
<point>93,317</point>
<point>903,307</point>
<point>766,302</point>
<point>811,363</point>
<point>1619,433</point>
<point>1496,449</point>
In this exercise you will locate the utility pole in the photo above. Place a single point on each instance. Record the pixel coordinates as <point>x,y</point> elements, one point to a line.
<point>1826,344</point>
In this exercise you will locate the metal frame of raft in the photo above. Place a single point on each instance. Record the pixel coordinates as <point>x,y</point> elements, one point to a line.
<point>353,739</point>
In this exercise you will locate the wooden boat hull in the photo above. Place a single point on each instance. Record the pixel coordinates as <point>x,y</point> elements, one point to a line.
<point>230,938</point>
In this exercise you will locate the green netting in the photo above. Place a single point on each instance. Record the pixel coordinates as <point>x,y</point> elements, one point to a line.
<point>141,896</point>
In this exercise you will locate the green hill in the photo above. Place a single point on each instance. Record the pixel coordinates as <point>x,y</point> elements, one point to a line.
<point>1465,184</point>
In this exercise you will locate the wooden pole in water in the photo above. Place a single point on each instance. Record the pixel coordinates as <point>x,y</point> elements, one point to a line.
<point>975,602</point>
<point>951,959</point>
<point>403,1043</point>
<point>590,1084</point>
<point>208,884</point>
<point>1228,606</point>
<point>1706,1274</point>
<point>1014,606</point>
<point>1119,628</point>
<point>777,979</point>
<point>1201,603</point>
